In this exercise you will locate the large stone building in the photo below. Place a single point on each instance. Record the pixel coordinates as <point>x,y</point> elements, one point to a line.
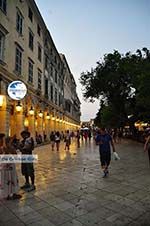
<point>28,54</point>
<point>71,100</point>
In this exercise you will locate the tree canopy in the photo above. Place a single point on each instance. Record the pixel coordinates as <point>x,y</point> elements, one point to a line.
<point>121,82</point>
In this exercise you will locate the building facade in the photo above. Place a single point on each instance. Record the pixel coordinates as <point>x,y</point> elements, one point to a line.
<point>71,100</point>
<point>28,54</point>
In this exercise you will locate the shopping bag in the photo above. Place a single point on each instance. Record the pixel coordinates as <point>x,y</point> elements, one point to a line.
<point>116,156</point>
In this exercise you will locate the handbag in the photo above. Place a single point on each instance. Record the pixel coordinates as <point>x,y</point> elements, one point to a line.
<point>116,156</point>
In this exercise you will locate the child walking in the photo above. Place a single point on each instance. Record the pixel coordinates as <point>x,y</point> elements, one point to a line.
<point>9,185</point>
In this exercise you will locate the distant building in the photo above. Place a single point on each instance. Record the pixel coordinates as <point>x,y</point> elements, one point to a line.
<point>28,53</point>
<point>88,124</point>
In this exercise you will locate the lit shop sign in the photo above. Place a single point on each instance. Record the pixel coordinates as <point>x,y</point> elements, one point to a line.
<point>17,90</point>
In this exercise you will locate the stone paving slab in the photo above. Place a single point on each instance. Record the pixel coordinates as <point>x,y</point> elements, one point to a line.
<point>70,190</point>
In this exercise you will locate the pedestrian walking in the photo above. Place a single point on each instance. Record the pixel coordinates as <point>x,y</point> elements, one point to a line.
<point>9,185</point>
<point>62,135</point>
<point>52,139</point>
<point>26,147</point>
<point>45,137</point>
<point>78,138</point>
<point>147,146</point>
<point>40,138</point>
<point>67,140</point>
<point>82,135</point>
<point>89,135</point>
<point>57,140</point>
<point>105,140</point>
<point>85,136</point>
<point>2,143</point>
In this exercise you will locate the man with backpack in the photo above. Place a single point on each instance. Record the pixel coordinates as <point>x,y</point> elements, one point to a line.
<point>26,148</point>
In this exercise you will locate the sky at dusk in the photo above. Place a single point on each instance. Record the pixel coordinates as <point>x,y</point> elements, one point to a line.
<point>85,30</point>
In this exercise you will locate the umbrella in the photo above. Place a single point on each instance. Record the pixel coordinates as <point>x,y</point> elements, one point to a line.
<point>85,128</point>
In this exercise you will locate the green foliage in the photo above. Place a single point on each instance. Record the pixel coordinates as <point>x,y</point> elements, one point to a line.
<point>123,83</point>
<point>106,117</point>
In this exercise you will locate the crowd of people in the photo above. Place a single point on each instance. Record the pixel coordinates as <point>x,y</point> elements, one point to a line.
<point>67,137</point>
<point>9,185</point>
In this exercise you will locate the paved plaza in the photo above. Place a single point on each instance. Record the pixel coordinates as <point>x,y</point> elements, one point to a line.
<point>70,190</point>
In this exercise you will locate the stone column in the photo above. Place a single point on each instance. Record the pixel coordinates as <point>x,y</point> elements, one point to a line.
<point>57,124</point>
<point>3,115</point>
<point>32,125</point>
<point>19,121</point>
<point>47,127</point>
<point>51,124</point>
<point>55,127</point>
<point>40,126</point>
<point>60,126</point>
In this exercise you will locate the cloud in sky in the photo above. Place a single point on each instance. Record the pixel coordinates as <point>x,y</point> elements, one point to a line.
<point>84,30</point>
